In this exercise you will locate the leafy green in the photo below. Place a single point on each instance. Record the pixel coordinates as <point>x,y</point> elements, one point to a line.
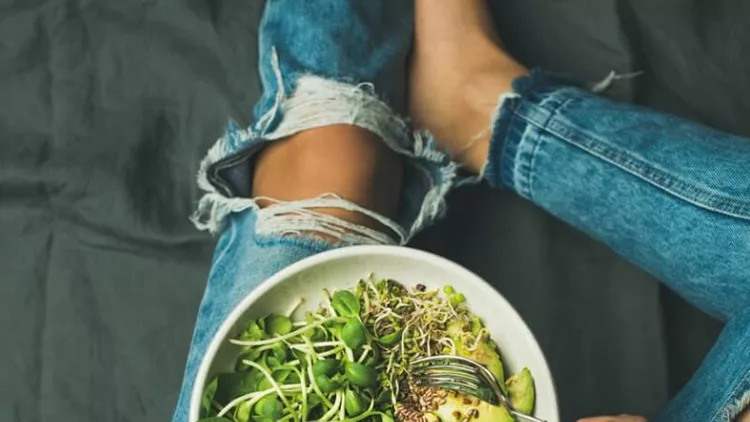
<point>353,334</point>
<point>345,303</point>
<point>361,375</point>
<point>269,407</point>
<point>235,384</point>
<point>278,324</point>
<point>391,339</point>
<point>353,403</point>
<point>326,384</point>
<point>326,367</point>
<point>253,332</point>
<point>208,397</point>
<point>347,360</point>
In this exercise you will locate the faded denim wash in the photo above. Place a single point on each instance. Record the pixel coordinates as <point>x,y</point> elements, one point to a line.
<point>671,196</point>
<point>668,195</point>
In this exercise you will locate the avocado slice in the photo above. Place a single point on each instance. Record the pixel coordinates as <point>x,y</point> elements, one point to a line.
<point>457,406</point>
<point>521,391</point>
<point>454,328</point>
<point>486,353</point>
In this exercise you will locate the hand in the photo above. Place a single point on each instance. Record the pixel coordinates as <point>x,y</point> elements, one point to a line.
<point>621,418</point>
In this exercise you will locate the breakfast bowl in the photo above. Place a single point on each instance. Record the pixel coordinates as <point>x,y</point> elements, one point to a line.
<point>304,284</point>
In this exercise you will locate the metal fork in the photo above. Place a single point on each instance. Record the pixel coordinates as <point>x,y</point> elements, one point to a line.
<point>466,376</point>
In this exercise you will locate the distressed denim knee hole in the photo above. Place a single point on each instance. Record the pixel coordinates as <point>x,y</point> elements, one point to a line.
<point>301,219</point>
<point>316,102</point>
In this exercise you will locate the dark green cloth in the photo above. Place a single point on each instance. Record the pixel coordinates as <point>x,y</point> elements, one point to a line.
<point>107,106</point>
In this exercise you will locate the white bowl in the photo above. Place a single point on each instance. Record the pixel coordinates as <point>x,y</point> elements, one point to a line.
<point>342,268</point>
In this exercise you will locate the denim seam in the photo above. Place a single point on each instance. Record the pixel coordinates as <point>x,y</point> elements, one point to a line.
<point>669,183</point>
<point>646,172</point>
<point>532,164</point>
<point>508,151</point>
<point>521,164</point>
<point>521,169</point>
<point>540,143</point>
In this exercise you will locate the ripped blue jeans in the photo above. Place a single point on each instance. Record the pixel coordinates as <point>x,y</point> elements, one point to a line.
<point>671,196</point>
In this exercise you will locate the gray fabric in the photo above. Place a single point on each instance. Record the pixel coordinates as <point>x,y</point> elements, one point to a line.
<point>105,110</point>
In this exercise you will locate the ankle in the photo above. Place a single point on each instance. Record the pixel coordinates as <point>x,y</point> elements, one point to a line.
<point>483,88</point>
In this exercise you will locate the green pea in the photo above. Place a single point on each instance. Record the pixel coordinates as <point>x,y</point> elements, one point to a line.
<point>326,384</point>
<point>345,303</point>
<point>361,375</point>
<point>457,299</point>
<point>278,324</point>
<point>326,367</point>
<point>391,339</point>
<point>449,290</point>
<point>353,403</point>
<point>354,334</point>
<point>270,407</point>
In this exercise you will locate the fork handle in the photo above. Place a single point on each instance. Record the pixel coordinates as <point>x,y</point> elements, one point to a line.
<point>525,418</point>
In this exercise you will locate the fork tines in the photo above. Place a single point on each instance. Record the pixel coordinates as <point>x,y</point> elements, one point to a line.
<point>456,373</point>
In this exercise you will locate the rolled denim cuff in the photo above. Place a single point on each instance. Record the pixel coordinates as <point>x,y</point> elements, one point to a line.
<point>509,159</point>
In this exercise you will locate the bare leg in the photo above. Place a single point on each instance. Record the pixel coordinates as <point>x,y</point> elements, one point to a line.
<point>346,160</point>
<point>458,72</point>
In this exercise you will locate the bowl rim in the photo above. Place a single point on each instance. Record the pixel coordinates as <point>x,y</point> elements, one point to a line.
<point>345,252</point>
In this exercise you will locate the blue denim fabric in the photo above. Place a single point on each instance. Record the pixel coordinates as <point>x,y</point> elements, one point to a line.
<point>329,62</point>
<point>322,62</point>
<point>671,196</point>
<point>668,195</point>
<point>241,261</point>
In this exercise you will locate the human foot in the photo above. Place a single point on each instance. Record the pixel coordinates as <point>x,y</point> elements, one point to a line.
<point>457,75</point>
